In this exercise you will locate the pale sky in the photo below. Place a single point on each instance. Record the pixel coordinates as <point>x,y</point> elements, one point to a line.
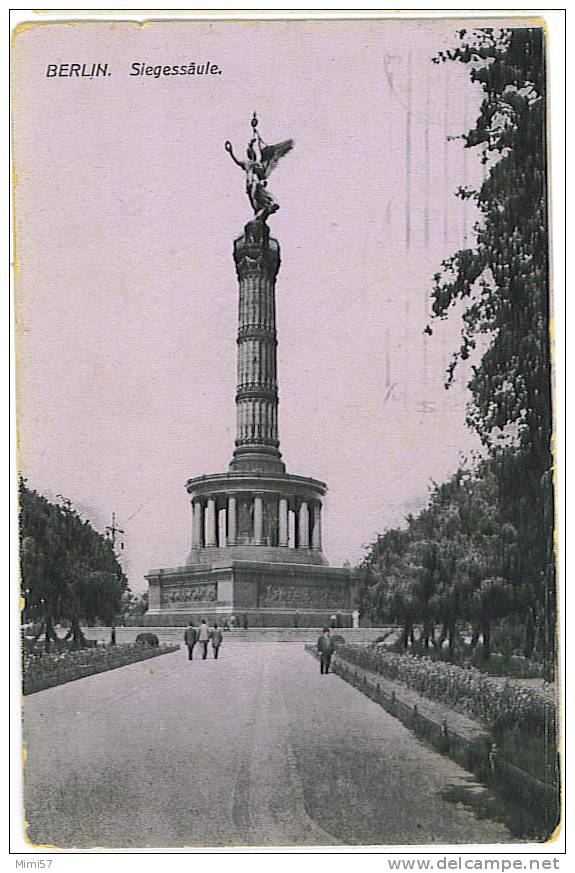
<point>127,207</point>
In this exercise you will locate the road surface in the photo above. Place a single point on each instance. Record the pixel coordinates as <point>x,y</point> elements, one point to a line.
<point>256,748</point>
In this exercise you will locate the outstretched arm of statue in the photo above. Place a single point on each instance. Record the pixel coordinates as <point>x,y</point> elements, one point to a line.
<point>229,149</point>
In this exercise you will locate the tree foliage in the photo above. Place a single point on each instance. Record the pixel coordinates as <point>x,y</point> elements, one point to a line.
<point>135,604</point>
<point>69,571</point>
<point>450,567</point>
<point>504,278</point>
<point>503,281</point>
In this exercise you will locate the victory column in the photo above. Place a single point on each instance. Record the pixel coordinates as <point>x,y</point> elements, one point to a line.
<point>256,530</point>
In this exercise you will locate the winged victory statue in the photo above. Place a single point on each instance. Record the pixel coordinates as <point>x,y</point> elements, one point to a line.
<point>261,160</point>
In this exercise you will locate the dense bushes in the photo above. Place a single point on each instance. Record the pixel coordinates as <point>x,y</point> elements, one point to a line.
<point>521,721</point>
<point>338,640</point>
<point>497,665</point>
<point>43,670</point>
<point>147,639</point>
<point>69,570</point>
<point>495,702</point>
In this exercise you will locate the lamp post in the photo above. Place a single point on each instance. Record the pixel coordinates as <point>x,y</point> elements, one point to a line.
<point>112,530</point>
<point>112,533</point>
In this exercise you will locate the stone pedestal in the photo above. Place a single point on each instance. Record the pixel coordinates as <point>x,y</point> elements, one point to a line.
<point>268,594</point>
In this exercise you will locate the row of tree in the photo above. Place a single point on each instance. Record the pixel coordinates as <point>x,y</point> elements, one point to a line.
<point>484,547</point>
<point>69,571</point>
<point>456,564</point>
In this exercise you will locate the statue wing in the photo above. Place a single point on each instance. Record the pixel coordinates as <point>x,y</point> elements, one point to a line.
<point>272,153</point>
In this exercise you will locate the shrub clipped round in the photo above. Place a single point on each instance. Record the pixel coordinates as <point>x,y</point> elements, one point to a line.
<point>338,640</point>
<point>147,639</point>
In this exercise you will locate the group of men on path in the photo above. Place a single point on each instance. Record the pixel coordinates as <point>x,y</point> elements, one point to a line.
<point>202,635</point>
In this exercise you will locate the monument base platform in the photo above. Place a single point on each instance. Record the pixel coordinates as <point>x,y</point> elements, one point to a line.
<point>263,594</point>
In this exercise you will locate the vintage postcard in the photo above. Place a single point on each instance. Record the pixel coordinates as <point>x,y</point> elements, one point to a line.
<point>285,423</point>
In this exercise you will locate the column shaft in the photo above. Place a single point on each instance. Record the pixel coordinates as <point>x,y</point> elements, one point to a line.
<point>283,523</point>
<point>197,525</point>
<point>303,538</point>
<point>258,521</point>
<point>257,259</point>
<point>316,529</point>
<point>211,519</point>
<point>232,526</point>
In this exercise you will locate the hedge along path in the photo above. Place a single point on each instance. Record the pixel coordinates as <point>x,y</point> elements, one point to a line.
<point>461,738</point>
<point>470,730</point>
<point>491,700</point>
<point>81,671</point>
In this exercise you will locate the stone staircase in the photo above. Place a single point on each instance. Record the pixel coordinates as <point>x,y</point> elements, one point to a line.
<point>252,635</point>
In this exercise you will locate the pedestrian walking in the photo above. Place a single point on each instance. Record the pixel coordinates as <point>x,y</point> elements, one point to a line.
<point>245,622</point>
<point>191,638</point>
<point>203,638</point>
<point>333,621</point>
<point>217,637</point>
<point>325,648</point>
<point>493,753</point>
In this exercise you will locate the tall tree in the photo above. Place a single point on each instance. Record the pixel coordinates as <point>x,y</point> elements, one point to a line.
<point>504,282</point>
<point>69,571</point>
<point>439,571</point>
<point>381,558</point>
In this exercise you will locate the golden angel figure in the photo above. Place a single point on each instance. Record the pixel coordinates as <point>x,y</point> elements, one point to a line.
<point>261,160</point>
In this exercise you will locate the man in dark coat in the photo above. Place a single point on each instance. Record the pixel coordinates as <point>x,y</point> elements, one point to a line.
<point>217,637</point>
<point>325,648</point>
<point>191,638</point>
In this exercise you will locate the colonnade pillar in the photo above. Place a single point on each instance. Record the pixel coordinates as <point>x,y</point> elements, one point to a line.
<point>303,528</point>
<point>205,533</point>
<point>316,527</point>
<point>283,522</point>
<point>211,520</point>
<point>258,521</point>
<point>231,522</point>
<point>197,525</point>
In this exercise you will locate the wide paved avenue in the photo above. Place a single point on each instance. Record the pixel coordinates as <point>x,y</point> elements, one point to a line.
<point>256,748</point>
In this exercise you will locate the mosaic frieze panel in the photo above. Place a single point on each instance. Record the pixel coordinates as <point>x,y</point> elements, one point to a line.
<point>304,596</point>
<point>191,594</point>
